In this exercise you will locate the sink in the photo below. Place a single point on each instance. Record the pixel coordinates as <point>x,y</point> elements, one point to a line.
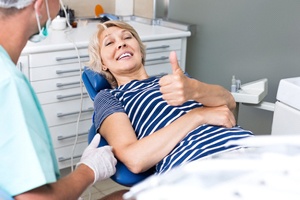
<point>252,92</point>
<point>289,92</point>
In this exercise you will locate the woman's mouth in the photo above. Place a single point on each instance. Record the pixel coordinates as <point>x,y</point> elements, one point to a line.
<point>124,55</point>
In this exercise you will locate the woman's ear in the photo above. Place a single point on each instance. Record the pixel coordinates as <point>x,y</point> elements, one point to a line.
<point>104,68</point>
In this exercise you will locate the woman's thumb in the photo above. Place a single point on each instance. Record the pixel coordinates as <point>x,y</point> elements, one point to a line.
<point>174,63</point>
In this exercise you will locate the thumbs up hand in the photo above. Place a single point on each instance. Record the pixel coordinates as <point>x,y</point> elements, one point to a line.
<point>175,87</point>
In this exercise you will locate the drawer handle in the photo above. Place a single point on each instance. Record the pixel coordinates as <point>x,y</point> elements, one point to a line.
<point>159,75</point>
<point>62,159</point>
<point>74,113</point>
<point>70,95</point>
<point>67,84</point>
<point>70,57</point>
<point>60,137</point>
<point>67,71</point>
<point>158,47</point>
<point>20,66</point>
<point>157,59</point>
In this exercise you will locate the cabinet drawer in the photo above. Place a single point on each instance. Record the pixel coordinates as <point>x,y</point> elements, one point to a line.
<point>163,45</point>
<point>67,111</point>
<point>57,71</point>
<point>64,154</point>
<point>56,84</point>
<point>57,58</point>
<point>160,69</point>
<point>65,135</point>
<point>61,95</point>
<point>157,58</point>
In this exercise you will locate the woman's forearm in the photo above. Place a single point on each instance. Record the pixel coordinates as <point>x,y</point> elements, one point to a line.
<point>157,145</point>
<point>212,95</point>
<point>140,155</point>
<point>164,140</point>
<point>177,88</point>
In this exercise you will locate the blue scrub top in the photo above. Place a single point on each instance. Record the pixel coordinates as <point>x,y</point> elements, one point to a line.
<point>26,151</point>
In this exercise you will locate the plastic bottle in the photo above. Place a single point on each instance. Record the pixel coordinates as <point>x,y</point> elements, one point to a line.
<point>233,84</point>
<point>238,85</point>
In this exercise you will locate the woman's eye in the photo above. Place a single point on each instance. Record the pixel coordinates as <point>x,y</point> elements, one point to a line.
<point>128,37</point>
<point>108,43</point>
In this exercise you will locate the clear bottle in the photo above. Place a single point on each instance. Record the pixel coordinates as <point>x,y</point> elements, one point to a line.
<point>233,84</point>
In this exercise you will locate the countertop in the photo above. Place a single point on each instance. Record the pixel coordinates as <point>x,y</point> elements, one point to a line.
<point>65,39</point>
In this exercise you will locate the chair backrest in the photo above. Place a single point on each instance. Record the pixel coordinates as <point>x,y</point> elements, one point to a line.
<point>94,82</point>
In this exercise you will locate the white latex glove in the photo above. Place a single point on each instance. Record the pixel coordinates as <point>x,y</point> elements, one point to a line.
<point>101,160</point>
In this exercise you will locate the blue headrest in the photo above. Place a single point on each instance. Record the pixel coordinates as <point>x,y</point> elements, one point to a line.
<point>94,82</point>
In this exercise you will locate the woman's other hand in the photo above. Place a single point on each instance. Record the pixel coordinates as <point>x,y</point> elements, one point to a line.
<point>219,116</point>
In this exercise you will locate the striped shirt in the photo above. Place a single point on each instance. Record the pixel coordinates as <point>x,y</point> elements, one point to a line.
<point>148,112</point>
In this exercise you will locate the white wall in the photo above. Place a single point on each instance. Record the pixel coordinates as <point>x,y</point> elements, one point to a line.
<point>83,8</point>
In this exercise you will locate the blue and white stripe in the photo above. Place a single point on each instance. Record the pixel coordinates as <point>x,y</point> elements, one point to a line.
<point>148,112</point>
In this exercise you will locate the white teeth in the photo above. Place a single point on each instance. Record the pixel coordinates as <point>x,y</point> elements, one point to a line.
<point>124,55</point>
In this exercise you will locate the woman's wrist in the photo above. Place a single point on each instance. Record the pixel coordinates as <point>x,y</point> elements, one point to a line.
<point>196,90</point>
<point>197,115</point>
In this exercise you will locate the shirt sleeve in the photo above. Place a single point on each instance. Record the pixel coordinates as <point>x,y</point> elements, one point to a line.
<point>105,104</point>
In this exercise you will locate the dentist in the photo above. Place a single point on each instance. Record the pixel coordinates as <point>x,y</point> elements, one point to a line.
<point>29,169</point>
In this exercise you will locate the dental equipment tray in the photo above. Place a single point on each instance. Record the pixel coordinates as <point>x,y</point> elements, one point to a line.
<point>252,92</point>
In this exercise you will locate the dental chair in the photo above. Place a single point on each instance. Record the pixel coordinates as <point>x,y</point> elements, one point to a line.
<point>94,82</point>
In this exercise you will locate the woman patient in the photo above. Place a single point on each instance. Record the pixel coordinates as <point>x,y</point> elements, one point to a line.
<point>156,121</point>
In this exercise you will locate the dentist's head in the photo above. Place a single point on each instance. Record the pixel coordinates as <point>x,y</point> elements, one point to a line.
<point>19,4</point>
<point>23,20</point>
<point>44,11</point>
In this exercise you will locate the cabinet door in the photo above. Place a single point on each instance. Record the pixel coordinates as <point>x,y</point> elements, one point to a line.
<point>159,64</point>
<point>63,95</point>
<point>58,57</point>
<point>55,71</point>
<point>66,155</point>
<point>57,84</point>
<point>163,45</point>
<point>68,111</point>
<point>157,56</point>
<point>65,135</point>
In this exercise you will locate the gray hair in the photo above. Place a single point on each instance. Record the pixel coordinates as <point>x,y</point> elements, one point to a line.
<point>19,4</point>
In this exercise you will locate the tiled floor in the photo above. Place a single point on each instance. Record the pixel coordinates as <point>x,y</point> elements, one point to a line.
<point>101,189</point>
<point>98,190</point>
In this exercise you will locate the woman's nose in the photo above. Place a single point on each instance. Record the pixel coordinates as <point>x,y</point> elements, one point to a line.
<point>121,45</point>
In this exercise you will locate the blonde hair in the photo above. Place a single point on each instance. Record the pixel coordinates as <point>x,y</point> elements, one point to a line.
<point>95,62</point>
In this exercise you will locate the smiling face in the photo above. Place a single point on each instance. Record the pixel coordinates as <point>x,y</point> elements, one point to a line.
<point>120,52</point>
